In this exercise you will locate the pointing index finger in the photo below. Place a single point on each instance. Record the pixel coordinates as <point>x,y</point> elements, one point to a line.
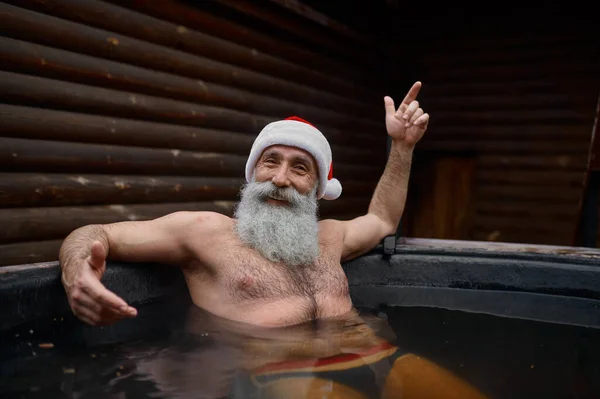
<point>412,93</point>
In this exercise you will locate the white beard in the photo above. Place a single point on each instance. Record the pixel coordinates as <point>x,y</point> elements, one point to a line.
<point>281,233</point>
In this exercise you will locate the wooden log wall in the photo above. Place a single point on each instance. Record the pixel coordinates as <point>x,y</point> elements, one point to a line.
<point>127,110</point>
<point>523,106</point>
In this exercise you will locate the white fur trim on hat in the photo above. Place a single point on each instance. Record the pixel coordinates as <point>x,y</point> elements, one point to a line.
<point>294,132</point>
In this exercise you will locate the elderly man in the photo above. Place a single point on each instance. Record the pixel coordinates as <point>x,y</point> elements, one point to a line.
<point>274,263</point>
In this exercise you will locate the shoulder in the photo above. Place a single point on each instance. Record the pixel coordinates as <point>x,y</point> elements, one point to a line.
<point>200,230</point>
<point>184,222</point>
<point>207,221</point>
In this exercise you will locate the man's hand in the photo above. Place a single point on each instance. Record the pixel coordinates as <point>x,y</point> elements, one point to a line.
<point>88,298</point>
<point>408,123</point>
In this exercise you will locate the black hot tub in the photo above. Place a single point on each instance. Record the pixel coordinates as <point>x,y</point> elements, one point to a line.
<point>512,320</point>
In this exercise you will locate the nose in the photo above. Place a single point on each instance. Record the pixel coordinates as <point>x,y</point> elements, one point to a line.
<point>280,178</point>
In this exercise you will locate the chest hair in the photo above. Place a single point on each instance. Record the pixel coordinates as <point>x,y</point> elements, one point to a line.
<point>249,276</point>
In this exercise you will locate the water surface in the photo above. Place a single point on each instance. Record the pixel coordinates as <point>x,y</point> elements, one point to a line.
<point>177,352</point>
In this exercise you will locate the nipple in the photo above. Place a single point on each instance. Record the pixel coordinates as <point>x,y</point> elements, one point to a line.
<point>246,282</point>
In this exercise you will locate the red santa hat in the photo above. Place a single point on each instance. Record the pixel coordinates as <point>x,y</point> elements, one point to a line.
<point>296,132</point>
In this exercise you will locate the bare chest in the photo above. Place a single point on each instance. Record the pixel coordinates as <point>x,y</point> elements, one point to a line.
<point>248,276</point>
<point>234,281</point>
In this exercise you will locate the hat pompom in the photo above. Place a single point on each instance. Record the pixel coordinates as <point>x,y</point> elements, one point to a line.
<point>333,189</point>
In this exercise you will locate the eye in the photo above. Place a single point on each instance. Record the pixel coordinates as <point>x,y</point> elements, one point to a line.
<point>269,161</point>
<point>301,168</point>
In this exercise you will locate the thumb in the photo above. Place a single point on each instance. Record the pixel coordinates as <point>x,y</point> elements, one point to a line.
<point>390,109</point>
<point>97,255</point>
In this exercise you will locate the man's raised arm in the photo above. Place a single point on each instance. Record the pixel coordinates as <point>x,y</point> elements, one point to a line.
<point>405,125</point>
<point>84,252</point>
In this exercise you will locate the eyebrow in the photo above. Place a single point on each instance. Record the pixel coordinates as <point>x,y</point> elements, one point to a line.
<point>271,153</point>
<point>298,158</point>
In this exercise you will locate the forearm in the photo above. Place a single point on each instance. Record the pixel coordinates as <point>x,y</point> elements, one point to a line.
<point>389,197</point>
<point>77,245</point>
<point>83,261</point>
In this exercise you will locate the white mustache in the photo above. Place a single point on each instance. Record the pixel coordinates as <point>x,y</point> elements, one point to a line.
<point>269,190</point>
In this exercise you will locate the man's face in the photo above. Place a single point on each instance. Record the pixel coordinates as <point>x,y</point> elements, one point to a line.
<point>277,214</point>
<point>287,167</point>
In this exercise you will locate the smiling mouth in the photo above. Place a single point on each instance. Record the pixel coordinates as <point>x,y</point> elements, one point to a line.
<point>276,200</point>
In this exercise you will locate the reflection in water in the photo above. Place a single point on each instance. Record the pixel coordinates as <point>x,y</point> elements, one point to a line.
<point>349,357</point>
<point>173,351</point>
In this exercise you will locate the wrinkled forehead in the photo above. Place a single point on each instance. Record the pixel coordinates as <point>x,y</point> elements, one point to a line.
<point>289,152</point>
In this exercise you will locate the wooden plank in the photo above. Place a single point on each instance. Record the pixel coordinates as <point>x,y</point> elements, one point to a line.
<point>522,237</point>
<point>36,224</point>
<point>544,162</point>
<point>48,223</point>
<point>45,190</point>
<point>123,21</point>
<point>492,131</point>
<point>318,36</point>
<point>518,209</point>
<point>358,156</point>
<point>532,224</point>
<point>45,124</point>
<point>42,92</point>
<point>42,190</point>
<point>53,156</point>
<point>566,179</point>
<point>511,117</point>
<point>60,157</point>
<point>542,46</point>
<point>491,87</point>
<point>505,146</point>
<point>459,56</point>
<point>29,252</point>
<point>306,11</point>
<point>554,193</point>
<point>194,17</point>
<point>506,101</point>
<point>406,245</point>
<point>31,26</point>
<point>24,57</point>
<point>549,68</point>
<point>534,43</point>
